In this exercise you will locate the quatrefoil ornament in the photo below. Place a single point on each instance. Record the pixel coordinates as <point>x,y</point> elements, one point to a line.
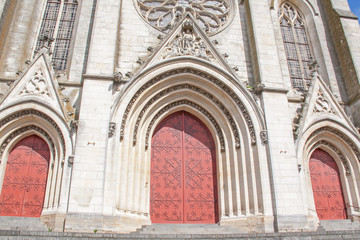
<point>211,15</point>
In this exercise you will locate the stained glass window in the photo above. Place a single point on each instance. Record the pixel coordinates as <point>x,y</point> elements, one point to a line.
<point>296,45</point>
<point>58,23</point>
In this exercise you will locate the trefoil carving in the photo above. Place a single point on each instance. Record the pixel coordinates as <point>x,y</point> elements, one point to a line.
<point>37,85</point>
<point>322,105</point>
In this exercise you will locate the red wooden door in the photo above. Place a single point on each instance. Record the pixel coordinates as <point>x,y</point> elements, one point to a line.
<point>325,179</point>
<point>23,189</point>
<point>183,172</point>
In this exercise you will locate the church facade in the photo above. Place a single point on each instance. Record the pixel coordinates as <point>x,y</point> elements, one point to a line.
<point>118,114</point>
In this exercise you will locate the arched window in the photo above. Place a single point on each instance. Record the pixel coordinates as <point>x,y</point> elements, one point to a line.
<point>58,23</point>
<point>296,45</point>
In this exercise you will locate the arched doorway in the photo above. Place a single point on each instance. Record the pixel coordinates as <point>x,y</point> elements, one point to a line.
<point>183,172</point>
<point>24,184</point>
<point>326,184</point>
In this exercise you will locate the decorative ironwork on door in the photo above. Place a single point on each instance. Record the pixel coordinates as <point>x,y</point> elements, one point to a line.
<point>24,184</point>
<point>183,172</point>
<point>326,184</point>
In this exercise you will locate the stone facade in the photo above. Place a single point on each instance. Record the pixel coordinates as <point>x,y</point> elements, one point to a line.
<point>125,73</point>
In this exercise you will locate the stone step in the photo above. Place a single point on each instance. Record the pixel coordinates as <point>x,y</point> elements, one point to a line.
<point>22,223</point>
<point>188,229</point>
<point>338,225</point>
<point>23,235</point>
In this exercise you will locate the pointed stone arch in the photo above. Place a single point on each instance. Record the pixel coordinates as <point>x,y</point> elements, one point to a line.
<point>31,118</point>
<point>343,145</point>
<point>225,107</point>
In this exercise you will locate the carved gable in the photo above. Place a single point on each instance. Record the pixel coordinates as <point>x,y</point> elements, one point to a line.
<point>320,103</point>
<point>37,84</point>
<point>187,39</point>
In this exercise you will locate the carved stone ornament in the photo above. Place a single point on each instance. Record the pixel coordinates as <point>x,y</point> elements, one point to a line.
<point>112,127</point>
<point>118,77</point>
<point>338,153</point>
<point>21,114</point>
<point>341,135</point>
<point>195,89</point>
<point>264,136</point>
<point>211,15</point>
<point>37,85</point>
<point>204,75</point>
<point>194,105</point>
<point>188,42</point>
<point>322,105</point>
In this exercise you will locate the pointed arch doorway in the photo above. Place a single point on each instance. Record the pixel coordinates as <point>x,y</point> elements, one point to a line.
<point>183,172</point>
<point>23,189</point>
<point>326,184</point>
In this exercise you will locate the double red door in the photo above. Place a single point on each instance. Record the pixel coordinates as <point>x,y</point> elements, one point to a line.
<point>325,179</point>
<point>183,172</point>
<point>23,189</point>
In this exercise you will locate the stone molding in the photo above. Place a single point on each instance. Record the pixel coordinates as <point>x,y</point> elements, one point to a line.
<point>194,105</point>
<point>19,131</point>
<point>341,135</point>
<point>338,153</point>
<point>195,89</point>
<point>204,75</point>
<point>20,114</point>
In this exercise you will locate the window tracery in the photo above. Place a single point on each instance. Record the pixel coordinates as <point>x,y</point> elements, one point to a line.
<point>296,45</point>
<point>211,15</point>
<point>58,24</point>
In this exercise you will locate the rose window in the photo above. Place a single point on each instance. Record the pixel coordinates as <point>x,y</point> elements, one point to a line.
<point>211,15</point>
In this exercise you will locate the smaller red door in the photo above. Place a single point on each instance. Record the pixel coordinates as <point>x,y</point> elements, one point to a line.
<point>23,189</point>
<point>326,184</point>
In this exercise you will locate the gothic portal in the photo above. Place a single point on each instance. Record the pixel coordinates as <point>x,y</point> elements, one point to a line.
<point>118,114</point>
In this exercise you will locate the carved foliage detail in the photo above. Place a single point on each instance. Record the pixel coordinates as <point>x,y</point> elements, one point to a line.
<point>37,85</point>
<point>204,75</point>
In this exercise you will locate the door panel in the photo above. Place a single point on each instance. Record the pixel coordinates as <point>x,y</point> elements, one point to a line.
<point>183,172</point>
<point>325,179</point>
<point>25,179</point>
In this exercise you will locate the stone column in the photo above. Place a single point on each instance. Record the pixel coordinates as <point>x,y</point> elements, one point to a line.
<point>287,198</point>
<point>88,180</point>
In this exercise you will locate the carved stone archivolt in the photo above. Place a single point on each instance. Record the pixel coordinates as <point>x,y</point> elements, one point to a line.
<point>23,130</point>
<point>195,89</point>
<point>338,153</point>
<point>212,16</point>
<point>322,105</point>
<point>204,75</point>
<point>37,85</point>
<point>193,105</point>
<point>341,135</point>
<point>21,114</point>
